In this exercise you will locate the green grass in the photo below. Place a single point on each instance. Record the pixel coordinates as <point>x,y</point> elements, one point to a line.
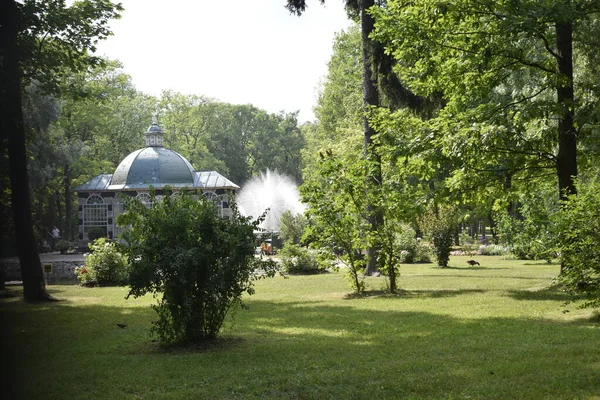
<point>494,332</point>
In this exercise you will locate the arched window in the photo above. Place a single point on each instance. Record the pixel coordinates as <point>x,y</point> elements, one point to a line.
<point>95,199</point>
<point>95,217</point>
<point>145,199</point>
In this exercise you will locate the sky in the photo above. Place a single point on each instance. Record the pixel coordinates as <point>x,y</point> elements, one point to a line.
<point>235,51</point>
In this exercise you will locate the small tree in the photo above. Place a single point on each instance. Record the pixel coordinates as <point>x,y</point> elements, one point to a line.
<point>198,264</point>
<point>439,224</point>
<point>336,215</point>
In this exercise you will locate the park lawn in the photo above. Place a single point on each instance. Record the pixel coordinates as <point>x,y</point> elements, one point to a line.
<point>489,332</point>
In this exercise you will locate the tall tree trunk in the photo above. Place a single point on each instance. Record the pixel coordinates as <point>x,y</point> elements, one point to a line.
<point>566,164</point>
<point>34,288</point>
<point>566,161</point>
<point>68,228</point>
<point>370,98</point>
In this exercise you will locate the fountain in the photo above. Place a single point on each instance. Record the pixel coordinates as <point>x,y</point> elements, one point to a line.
<point>272,191</point>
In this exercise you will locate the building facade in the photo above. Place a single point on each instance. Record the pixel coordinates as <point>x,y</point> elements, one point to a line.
<point>100,200</point>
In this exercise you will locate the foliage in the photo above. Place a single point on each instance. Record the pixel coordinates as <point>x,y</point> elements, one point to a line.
<point>440,224</point>
<point>412,249</point>
<point>578,241</point>
<point>64,245</point>
<point>238,140</point>
<point>526,239</point>
<point>296,259</point>
<point>105,265</point>
<point>528,231</point>
<point>95,232</point>
<point>40,40</point>
<point>493,250</point>
<point>57,38</point>
<point>291,227</point>
<point>198,264</point>
<point>505,71</point>
<point>334,216</point>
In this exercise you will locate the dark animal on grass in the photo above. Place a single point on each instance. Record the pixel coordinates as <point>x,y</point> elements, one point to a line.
<point>122,326</point>
<point>472,263</point>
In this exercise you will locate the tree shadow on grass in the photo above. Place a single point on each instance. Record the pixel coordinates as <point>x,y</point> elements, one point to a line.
<point>542,294</point>
<point>446,293</point>
<point>481,276</point>
<point>412,293</point>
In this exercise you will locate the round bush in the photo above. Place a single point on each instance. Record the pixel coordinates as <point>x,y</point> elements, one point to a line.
<point>105,265</point>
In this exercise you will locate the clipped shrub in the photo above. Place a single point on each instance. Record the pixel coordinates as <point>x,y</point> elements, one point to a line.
<point>105,265</point>
<point>300,260</point>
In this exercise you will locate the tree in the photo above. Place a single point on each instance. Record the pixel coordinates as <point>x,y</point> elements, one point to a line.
<point>291,227</point>
<point>198,264</point>
<point>38,40</point>
<point>14,145</point>
<point>370,99</point>
<point>189,121</point>
<point>505,70</point>
<point>336,214</point>
<point>101,120</point>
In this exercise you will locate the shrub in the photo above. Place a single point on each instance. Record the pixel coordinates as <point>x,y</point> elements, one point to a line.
<point>528,239</point>
<point>578,238</point>
<point>423,254</point>
<point>411,248</point>
<point>300,260</point>
<point>197,264</point>
<point>105,265</point>
<point>64,246</point>
<point>95,232</point>
<point>493,250</point>
<point>528,233</point>
<point>439,224</point>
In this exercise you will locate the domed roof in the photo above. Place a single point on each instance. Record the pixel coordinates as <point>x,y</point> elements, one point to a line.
<point>154,166</point>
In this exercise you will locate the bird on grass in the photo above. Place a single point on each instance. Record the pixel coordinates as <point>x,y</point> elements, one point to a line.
<point>472,263</point>
<point>122,326</point>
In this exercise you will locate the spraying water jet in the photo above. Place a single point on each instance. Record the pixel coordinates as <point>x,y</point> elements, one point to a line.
<point>271,190</point>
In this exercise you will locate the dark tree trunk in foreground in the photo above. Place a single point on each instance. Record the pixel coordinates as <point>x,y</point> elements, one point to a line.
<point>566,163</point>
<point>370,98</point>
<point>34,288</point>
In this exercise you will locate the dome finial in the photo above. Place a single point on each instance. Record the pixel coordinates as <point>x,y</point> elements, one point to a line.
<point>154,134</point>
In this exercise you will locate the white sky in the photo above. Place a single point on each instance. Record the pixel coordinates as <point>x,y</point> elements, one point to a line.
<point>236,51</point>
